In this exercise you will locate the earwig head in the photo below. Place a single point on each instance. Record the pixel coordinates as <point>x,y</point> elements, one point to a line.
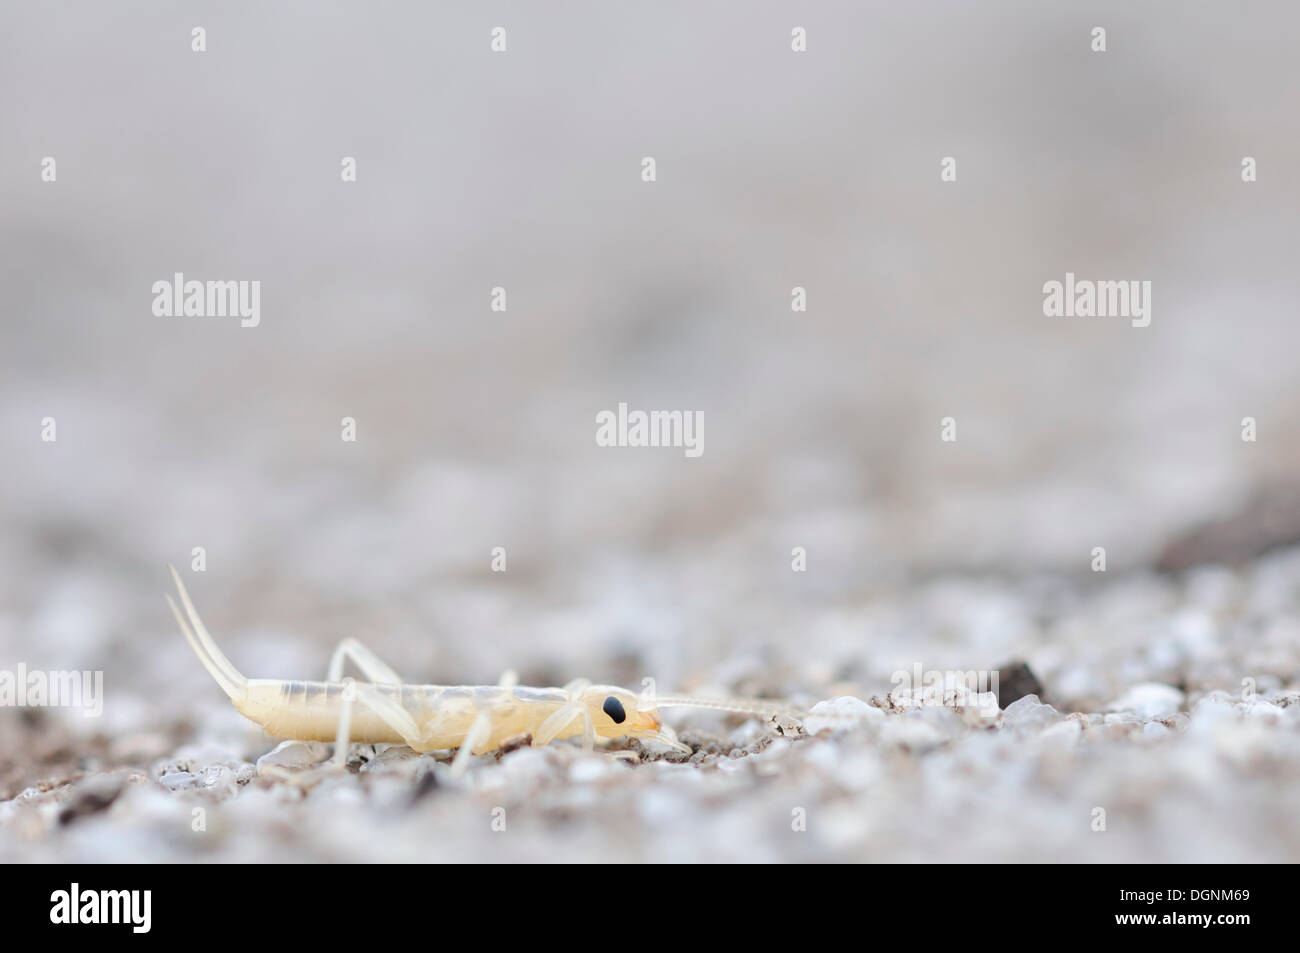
<point>618,713</point>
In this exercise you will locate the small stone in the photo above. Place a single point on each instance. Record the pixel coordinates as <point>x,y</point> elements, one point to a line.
<point>1285,699</point>
<point>786,726</point>
<point>979,709</point>
<point>293,754</point>
<point>294,761</point>
<point>1150,700</point>
<point>839,714</point>
<point>514,742</point>
<point>1065,732</point>
<point>1015,681</point>
<point>219,779</point>
<point>178,780</point>
<point>1029,712</point>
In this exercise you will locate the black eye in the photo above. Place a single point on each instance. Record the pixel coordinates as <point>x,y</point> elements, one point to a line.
<point>614,708</point>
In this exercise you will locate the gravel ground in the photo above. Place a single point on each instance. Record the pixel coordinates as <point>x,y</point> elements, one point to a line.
<point>1154,750</point>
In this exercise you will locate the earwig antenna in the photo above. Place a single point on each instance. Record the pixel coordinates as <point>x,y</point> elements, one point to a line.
<point>742,706</point>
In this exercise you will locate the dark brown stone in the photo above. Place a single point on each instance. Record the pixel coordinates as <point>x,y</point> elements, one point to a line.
<point>1015,681</point>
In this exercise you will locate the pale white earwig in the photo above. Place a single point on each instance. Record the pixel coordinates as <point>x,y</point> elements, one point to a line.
<point>475,719</point>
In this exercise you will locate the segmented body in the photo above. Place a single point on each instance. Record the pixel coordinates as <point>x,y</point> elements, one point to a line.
<point>310,711</point>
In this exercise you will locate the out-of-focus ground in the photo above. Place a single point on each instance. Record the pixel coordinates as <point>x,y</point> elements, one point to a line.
<point>476,428</point>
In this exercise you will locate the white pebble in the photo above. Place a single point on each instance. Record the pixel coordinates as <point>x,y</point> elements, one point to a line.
<point>291,756</point>
<point>178,780</point>
<point>1150,700</point>
<point>1029,712</point>
<point>840,713</point>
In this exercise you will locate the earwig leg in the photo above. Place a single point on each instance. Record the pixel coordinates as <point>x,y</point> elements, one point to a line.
<point>555,723</point>
<point>560,719</point>
<point>668,737</point>
<point>480,732</point>
<point>345,724</point>
<point>393,715</point>
<point>372,667</point>
<point>389,711</point>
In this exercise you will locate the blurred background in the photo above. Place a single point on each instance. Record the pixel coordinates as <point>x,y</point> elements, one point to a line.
<point>476,428</point>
